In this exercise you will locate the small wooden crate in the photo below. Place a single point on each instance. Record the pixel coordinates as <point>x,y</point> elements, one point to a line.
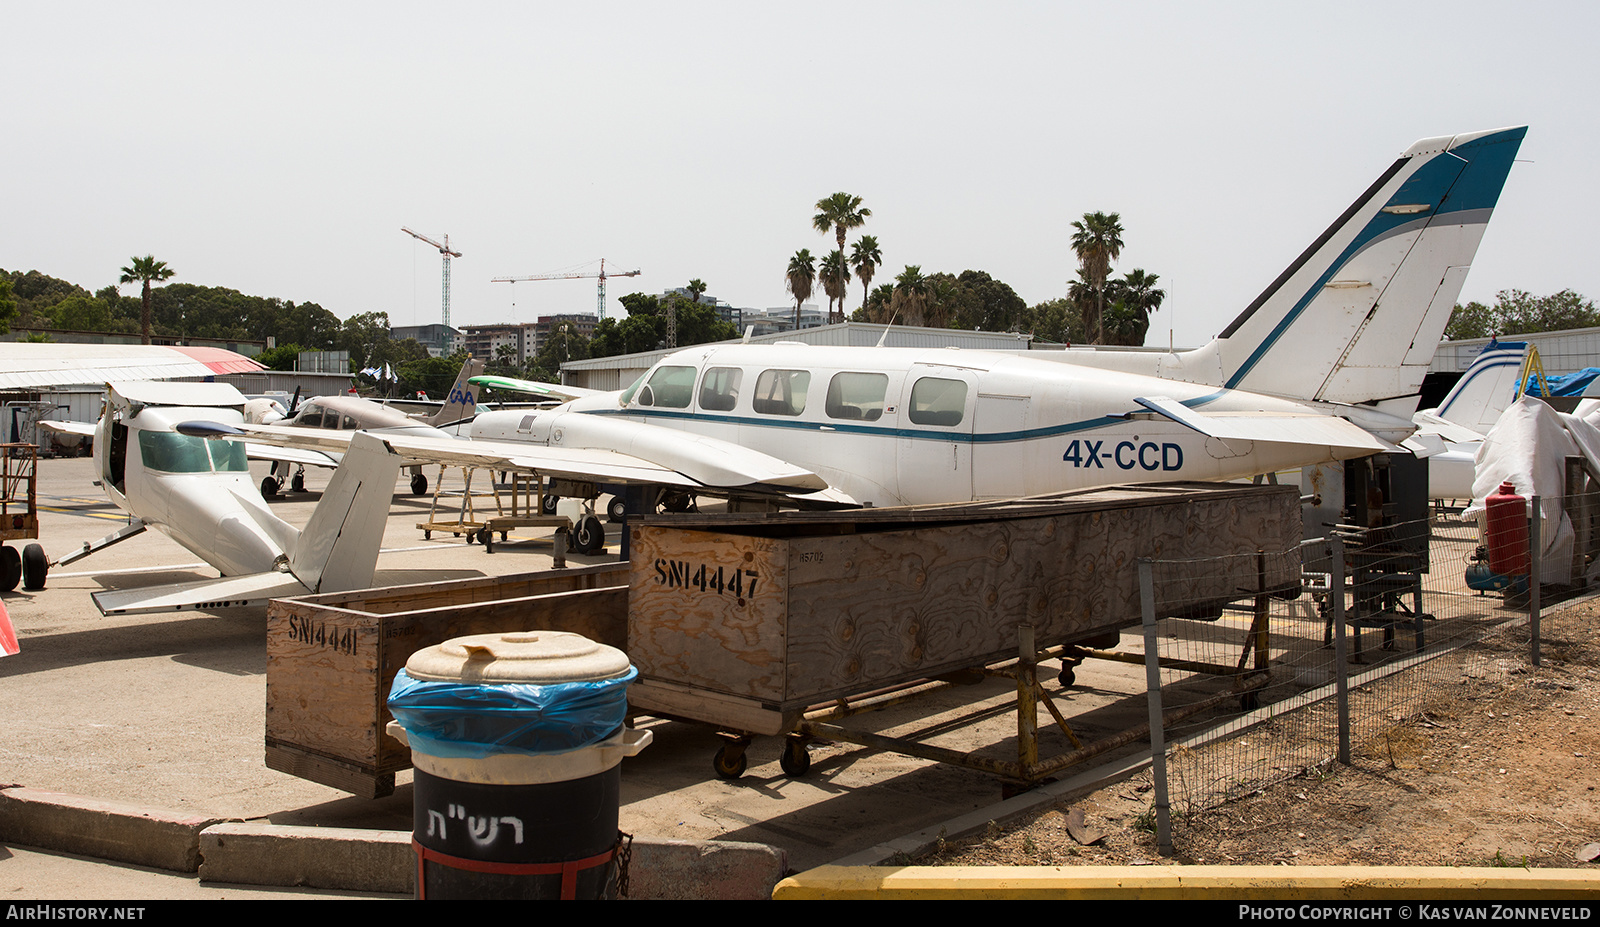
<point>331,659</point>
<point>745,620</point>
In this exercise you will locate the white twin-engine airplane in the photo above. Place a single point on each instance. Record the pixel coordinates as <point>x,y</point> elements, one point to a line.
<point>1324,365</point>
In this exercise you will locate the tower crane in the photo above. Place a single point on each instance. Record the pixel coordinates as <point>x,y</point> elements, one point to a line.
<point>444,249</point>
<point>600,305</point>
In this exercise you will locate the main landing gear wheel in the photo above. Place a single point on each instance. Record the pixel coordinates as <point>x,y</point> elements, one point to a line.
<point>589,537</point>
<point>34,567</point>
<point>298,483</point>
<point>677,503</point>
<point>548,503</point>
<point>269,487</point>
<point>616,509</point>
<point>419,484</point>
<point>10,568</point>
<point>796,759</point>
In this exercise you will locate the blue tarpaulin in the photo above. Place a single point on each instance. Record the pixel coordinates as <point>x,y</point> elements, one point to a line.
<point>466,720</point>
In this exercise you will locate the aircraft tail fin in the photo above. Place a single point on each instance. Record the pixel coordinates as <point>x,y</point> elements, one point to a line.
<point>462,403</point>
<point>1357,317</point>
<point>338,548</point>
<point>1487,388</point>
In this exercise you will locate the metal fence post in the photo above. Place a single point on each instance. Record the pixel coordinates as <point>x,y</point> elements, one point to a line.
<point>1152,681</point>
<point>1341,676</point>
<point>1535,577</point>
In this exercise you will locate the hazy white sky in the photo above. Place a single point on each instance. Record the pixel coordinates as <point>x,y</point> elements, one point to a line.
<point>278,148</point>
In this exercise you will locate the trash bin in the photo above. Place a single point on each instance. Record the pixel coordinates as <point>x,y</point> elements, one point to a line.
<point>517,741</point>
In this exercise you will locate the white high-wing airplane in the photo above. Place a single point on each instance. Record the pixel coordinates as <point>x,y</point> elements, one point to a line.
<point>1325,365</point>
<point>202,495</point>
<point>1489,386</point>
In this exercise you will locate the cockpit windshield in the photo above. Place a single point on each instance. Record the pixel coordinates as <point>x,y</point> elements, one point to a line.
<point>170,452</point>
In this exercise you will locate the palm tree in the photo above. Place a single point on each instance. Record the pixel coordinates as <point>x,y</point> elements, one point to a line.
<point>800,277</point>
<point>1134,297</point>
<point>1097,242</point>
<point>912,294</point>
<point>839,212</point>
<point>696,288</point>
<point>865,258</point>
<point>835,277</point>
<point>145,269</point>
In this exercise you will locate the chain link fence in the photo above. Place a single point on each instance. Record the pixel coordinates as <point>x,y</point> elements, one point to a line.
<point>1288,680</point>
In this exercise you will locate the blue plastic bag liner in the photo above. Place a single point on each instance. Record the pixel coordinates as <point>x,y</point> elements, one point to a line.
<point>472,721</point>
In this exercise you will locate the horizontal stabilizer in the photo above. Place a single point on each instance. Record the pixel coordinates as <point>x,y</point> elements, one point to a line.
<point>1446,429</point>
<point>228,592</point>
<point>1310,428</point>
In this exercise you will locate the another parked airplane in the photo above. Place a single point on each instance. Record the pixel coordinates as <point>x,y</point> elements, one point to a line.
<point>1325,365</point>
<point>1494,381</point>
<point>354,413</point>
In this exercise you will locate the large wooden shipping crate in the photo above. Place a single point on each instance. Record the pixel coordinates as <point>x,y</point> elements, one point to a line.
<point>332,658</point>
<point>743,621</point>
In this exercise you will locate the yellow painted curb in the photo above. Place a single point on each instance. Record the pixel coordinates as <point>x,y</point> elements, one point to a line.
<point>1213,883</point>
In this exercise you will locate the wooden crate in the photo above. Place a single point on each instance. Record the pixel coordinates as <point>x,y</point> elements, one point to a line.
<point>332,658</point>
<point>743,621</point>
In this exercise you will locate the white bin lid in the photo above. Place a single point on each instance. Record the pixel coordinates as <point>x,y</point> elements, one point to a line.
<point>537,657</point>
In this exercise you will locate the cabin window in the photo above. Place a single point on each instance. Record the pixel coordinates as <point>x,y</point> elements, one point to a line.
<point>937,401</point>
<point>310,418</point>
<point>668,388</point>
<point>170,452</point>
<point>781,392</point>
<point>719,389</point>
<point>857,396</point>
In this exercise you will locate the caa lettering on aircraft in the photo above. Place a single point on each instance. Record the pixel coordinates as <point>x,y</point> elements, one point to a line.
<point>1325,365</point>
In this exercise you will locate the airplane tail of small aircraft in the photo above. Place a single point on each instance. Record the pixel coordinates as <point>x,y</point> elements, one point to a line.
<point>338,548</point>
<point>1357,317</point>
<point>1487,388</point>
<point>462,403</point>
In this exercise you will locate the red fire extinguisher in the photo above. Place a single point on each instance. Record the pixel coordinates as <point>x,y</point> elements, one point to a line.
<point>1507,535</point>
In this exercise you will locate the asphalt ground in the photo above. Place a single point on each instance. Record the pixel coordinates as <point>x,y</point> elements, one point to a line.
<point>168,710</point>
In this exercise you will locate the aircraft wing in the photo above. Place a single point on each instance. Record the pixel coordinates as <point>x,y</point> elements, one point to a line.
<point>1284,428</point>
<point>85,429</point>
<point>730,468</point>
<point>32,366</point>
<point>291,455</point>
<point>1429,423</point>
<point>536,388</point>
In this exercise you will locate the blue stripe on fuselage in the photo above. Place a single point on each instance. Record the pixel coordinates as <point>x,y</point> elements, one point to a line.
<point>913,434</point>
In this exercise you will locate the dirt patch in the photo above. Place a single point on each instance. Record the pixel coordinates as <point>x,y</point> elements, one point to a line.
<point>1498,767</point>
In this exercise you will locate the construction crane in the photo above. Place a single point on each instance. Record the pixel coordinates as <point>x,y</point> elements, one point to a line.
<point>444,249</point>
<point>600,304</point>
